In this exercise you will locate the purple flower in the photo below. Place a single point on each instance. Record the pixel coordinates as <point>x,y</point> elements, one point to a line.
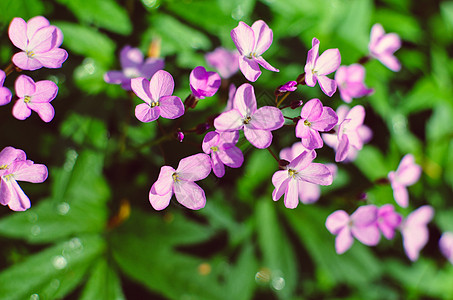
<point>446,245</point>
<point>221,146</point>
<point>39,42</point>
<point>5,93</point>
<point>225,61</point>
<point>317,68</point>
<point>181,182</point>
<point>251,43</point>
<point>34,96</point>
<point>308,192</point>
<point>300,169</point>
<point>14,167</point>
<point>133,65</point>
<point>314,118</point>
<point>353,134</point>
<point>204,84</point>
<point>388,220</point>
<point>157,93</point>
<point>362,225</point>
<point>290,86</point>
<point>350,81</point>
<point>256,123</point>
<point>408,173</point>
<point>382,46</point>
<point>415,231</point>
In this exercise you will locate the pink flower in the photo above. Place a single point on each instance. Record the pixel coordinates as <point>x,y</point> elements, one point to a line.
<point>39,42</point>
<point>204,84</point>
<point>362,225</point>
<point>221,146</point>
<point>290,86</point>
<point>256,123</point>
<point>415,231</point>
<point>314,118</point>
<point>133,65</point>
<point>317,68</point>
<point>181,182</point>
<point>231,93</point>
<point>14,167</point>
<point>224,60</point>
<point>446,245</point>
<point>388,220</point>
<point>408,173</point>
<point>308,192</point>
<point>382,46</point>
<point>251,43</point>
<point>5,93</point>
<point>300,169</point>
<point>34,96</point>
<point>157,93</point>
<point>350,133</point>
<point>350,81</point>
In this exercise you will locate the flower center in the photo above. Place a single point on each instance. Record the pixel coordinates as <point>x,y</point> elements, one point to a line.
<point>251,55</point>
<point>131,72</point>
<point>307,123</point>
<point>27,99</point>
<point>155,103</point>
<point>175,177</point>
<point>3,167</point>
<point>246,120</point>
<point>292,173</point>
<point>30,54</point>
<point>215,148</point>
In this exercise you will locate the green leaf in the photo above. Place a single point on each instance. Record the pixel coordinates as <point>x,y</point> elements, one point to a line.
<point>371,162</point>
<point>89,76</point>
<point>355,25</point>
<point>53,272</point>
<point>278,256</point>
<point>87,41</point>
<point>85,131</point>
<point>104,283</point>
<point>101,13</point>
<point>25,9</point>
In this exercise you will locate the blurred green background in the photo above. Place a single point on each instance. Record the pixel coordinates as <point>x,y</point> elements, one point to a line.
<point>91,232</point>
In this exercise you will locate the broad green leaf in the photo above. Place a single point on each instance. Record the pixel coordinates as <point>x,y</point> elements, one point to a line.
<point>103,283</point>
<point>406,26</point>
<point>85,131</point>
<point>371,162</point>
<point>355,26</point>
<point>102,13</point>
<point>259,168</point>
<point>87,41</point>
<point>77,205</point>
<point>25,9</point>
<point>357,267</point>
<point>278,255</point>
<point>51,273</point>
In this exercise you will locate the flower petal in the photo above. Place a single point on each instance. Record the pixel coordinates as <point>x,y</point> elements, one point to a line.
<point>217,165</point>
<point>45,110</point>
<point>229,121</point>
<point>328,62</point>
<point>265,64</point>
<point>316,173</point>
<point>342,149</point>
<point>280,180</point>
<point>140,86</point>
<point>17,33</point>
<point>308,192</point>
<point>20,110</point>
<point>211,139</point>
<point>164,182</point>
<point>312,110</point>
<point>43,40</point>
<point>232,157</point>
<point>22,61</point>
<point>159,202</point>
<point>171,107</point>
<point>302,161</point>
<point>35,173</point>
<point>343,241</point>
<point>190,194</point>
<point>145,113</point>
<point>45,91</point>
<point>161,84</point>
<point>328,86</point>
<point>244,38</point>
<point>368,235</point>
<point>326,121</point>
<point>195,167</point>
<point>259,138</point>
<point>267,118</point>
<point>263,37</point>
<point>244,100</point>
<point>34,24</point>
<point>52,59</point>
<point>24,86</point>
<point>9,154</point>
<point>19,201</point>
<point>250,68</point>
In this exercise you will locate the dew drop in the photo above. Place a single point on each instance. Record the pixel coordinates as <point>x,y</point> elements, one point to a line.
<point>278,283</point>
<point>34,297</point>
<point>35,230</point>
<point>263,276</point>
<point>71,157</point>
<point>32,217</point>
<point>59,262</point>
<point>88,65</point>
<point>75,244</point>
<point>151,3</point>
<point>63,208</point>
<point>55,284</point>
<point>237,13</point>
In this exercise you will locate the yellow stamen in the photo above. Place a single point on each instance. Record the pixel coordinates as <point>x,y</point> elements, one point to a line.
<point>27,99</point>
<point>175,177</point>
<point>307,123</point>
<point>154,104</point>
<point>215,148</point>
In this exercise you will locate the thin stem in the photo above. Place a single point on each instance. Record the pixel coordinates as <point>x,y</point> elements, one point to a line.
<point>272,153</point>
<point>9,69</point>
<point>283,98</point>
